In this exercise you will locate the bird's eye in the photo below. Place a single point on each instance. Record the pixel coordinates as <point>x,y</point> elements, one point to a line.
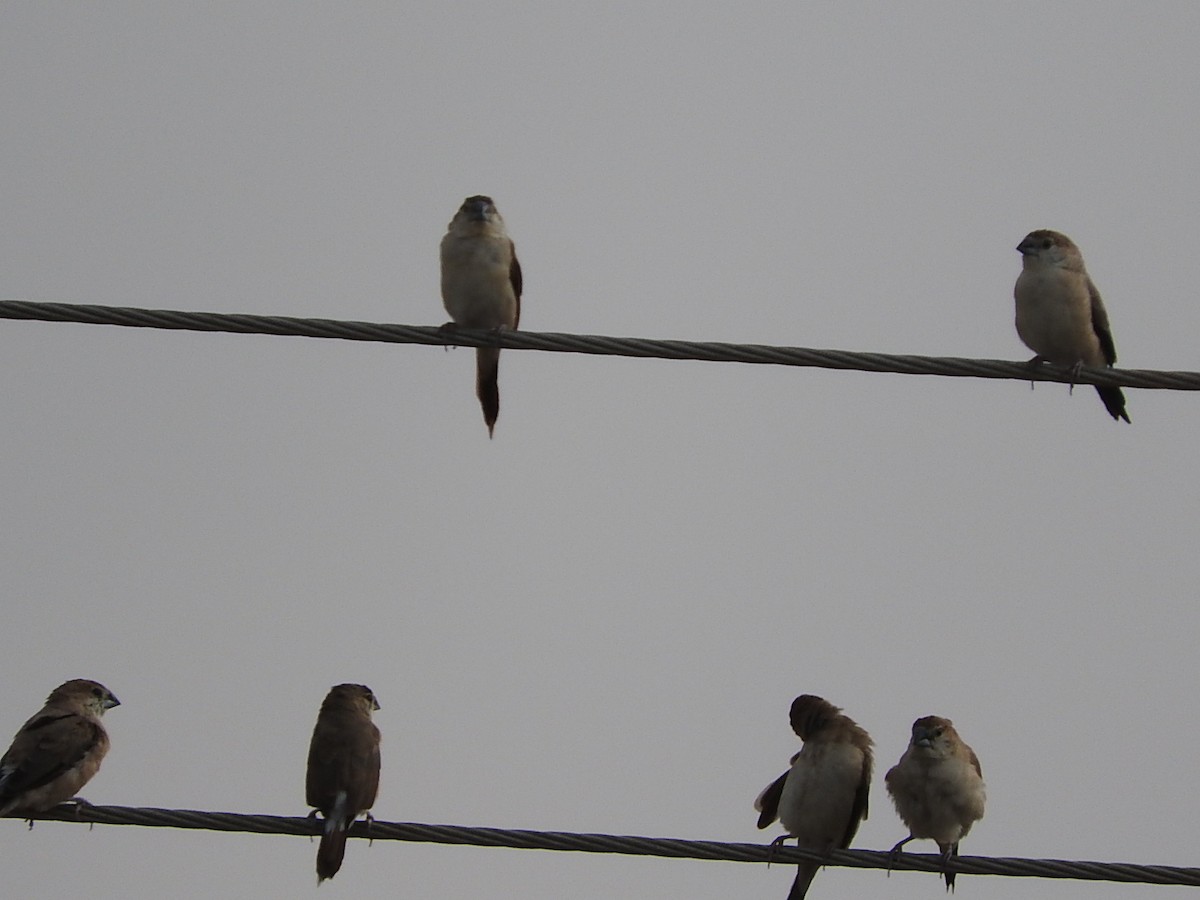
<point>1047,243</point>
<point>96,692</point>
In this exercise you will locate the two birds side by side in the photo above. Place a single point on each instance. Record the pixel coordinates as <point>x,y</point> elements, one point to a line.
<point>937,787</point>
<point>1059,313</point>
<point>60,748</point>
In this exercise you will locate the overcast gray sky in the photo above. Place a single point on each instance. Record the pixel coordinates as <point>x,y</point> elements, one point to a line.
<point>598,620</point>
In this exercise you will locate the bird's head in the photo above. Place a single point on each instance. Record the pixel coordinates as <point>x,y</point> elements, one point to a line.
<point>1048,247</point>
<point>933,735</point>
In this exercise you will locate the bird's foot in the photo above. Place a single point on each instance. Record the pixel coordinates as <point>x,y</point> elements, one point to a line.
<point>447,330</point>
<point>1035,363</point>
<point>773,848</point>
<point>894,854</point>
<point>79,805</point>
<point>1074,372</point>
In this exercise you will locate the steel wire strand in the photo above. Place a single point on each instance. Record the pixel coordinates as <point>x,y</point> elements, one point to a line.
<point>621,844</point>
<point>710,351</point>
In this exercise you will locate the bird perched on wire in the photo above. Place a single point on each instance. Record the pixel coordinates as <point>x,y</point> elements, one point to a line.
<point>58,750</point>
<point>1060,315</point>
<point>937,788</point>
<point>481,288</point>
<point>343,769</point>
<point>822,798</point>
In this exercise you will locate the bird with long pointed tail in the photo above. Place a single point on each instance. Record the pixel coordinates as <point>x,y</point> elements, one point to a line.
<point>822,798</point>
<point>481,288</point>
<point>343,769</point>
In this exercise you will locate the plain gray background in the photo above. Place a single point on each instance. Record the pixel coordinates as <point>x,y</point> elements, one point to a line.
<point>596,621</point>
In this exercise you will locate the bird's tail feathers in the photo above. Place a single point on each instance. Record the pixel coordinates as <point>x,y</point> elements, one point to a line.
<point>332,849</point>
<point>804,876</point>
<point>1114,401</point>
<point>949,852</point>
<point>487,384</point>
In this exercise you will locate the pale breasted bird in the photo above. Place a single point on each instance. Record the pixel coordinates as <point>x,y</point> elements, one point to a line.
<point>822,798</point>
<point>1060,315</point>
<point>481,288</point>
<point>937,788</point>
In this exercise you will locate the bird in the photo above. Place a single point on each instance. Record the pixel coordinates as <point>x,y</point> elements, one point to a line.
<point>481,288</point>
<point>937,788</point>
<point>1060,315</point>
<point>822,798</point>
<point>343,769</point>
<point>58,750</point>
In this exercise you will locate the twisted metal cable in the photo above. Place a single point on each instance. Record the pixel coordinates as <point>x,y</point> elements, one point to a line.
<point>624,844</point>
<point>710,351</point>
